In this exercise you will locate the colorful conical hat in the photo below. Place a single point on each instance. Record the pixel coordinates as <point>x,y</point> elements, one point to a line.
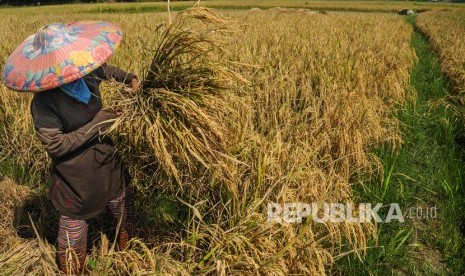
<point>60,53</point>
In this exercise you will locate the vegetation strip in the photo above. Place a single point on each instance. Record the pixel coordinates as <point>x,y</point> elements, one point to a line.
<point>149,7</point>
<point>426,173</point>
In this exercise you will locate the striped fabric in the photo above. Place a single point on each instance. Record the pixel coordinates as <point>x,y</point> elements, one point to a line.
<point>122,209</point>
<point>72,233</point>
<point>72,236</point>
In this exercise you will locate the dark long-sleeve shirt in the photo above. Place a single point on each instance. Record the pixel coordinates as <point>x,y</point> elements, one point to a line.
<point>87,172</point>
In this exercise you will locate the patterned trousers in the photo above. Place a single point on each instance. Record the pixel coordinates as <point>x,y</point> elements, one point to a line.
<point>72,233</point>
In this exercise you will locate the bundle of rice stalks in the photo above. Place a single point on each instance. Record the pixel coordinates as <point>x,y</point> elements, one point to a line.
<point>173,123</point>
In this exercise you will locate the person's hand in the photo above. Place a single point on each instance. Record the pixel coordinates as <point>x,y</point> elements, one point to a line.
<point>135,84</point>
<point>105,118</point>
<point>106,115</point>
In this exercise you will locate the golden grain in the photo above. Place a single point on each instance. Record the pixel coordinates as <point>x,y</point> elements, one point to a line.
<point>322,92</point>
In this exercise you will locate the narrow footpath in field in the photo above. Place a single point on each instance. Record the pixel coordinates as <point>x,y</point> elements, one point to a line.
<point>425,179</point>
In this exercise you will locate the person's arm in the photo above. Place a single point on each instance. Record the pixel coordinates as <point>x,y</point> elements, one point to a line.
<point>49,129</point>
<point>113,72</point>
<point>108,72</point>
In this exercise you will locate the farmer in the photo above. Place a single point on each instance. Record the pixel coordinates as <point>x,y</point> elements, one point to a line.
<point>65,64</point>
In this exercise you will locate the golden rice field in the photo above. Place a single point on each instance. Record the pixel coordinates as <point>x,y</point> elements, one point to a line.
<point>340,5</point>
<point>446,31</point>
<point>322,91</point>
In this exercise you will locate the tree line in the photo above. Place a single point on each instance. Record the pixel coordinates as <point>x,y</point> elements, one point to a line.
<point>49,2</point>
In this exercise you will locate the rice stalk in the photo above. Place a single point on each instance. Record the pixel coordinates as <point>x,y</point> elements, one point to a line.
<point>325,92</point>
<point>172,121</point>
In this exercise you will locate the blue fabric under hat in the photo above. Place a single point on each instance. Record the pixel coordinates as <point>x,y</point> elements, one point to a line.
<point>78,90</point>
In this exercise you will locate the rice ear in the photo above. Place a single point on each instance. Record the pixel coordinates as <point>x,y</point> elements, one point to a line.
<point>174,116</point>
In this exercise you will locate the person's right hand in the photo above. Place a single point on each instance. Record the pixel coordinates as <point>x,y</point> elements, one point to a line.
<point>106,114</point>
<point>105,118</point>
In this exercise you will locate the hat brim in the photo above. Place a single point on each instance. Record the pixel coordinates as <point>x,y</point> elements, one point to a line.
<point>81,48</point>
